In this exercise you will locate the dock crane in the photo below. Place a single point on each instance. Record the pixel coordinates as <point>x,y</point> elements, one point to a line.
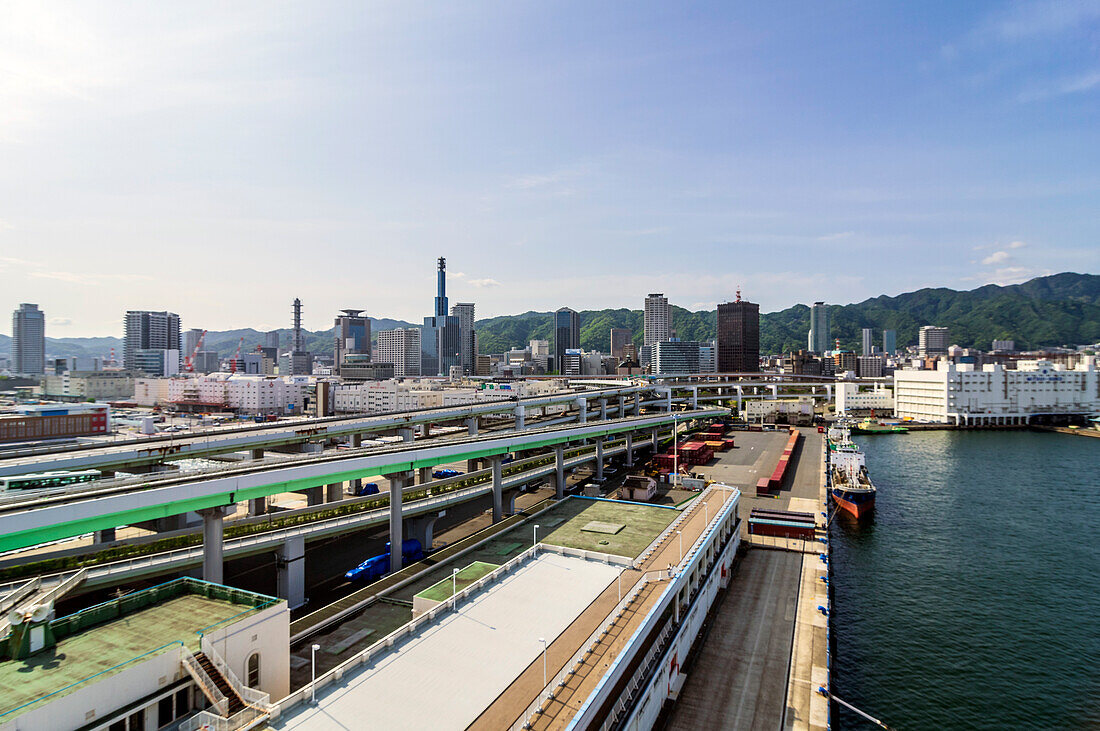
<point>189,361</point>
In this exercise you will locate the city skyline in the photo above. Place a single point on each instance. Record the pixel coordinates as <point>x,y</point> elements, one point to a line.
<point>755,137</point>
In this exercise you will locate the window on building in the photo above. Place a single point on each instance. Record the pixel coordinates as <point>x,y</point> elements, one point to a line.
<point>136,721</point>
<point>252,671</point>
<point>164,712</point>
<point>183,702</point>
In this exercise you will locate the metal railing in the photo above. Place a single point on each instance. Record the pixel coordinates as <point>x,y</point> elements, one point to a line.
<point>550,690</point>
<point>206,684</point>
<point>626,698</point>
<point>253,698</point>
<point>18,593</point>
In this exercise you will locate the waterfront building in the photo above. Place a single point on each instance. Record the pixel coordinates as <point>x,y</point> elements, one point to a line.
<point>657,321</point>
<point>818,340</point>
<point>889,341</point>
<point>851,398</point>
<point>28,340</point>
<point>464,311</point>
<point>738,336</point>
<point>1036,391</point>
<point>932,341</point>
<point>620,338</point>
<point>440,340</point>
<point>868,341</point>
<point>150,331</point>
<point>676,356</point>
<point>567,335</point>
<point>352,337</point>
<point>402,348</point>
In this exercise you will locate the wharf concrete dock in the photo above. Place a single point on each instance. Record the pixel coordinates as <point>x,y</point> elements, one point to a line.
<point>766,651</point>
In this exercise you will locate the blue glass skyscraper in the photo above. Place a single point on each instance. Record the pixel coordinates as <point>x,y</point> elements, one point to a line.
<point>440,339</point>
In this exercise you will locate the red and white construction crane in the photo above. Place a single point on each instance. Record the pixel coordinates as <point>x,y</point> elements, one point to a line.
<point>189,361</point>
<point>236,357</point>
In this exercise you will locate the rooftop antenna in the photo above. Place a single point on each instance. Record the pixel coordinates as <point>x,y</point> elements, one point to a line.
<point>738,293</point>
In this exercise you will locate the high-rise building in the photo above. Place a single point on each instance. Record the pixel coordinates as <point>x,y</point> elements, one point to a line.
<point>869,366</point>
<point>401,347</point>
<point>738,336</point>
<point>467,336</point>
<point>818,339</point>
<point>658,319</point>
<point>271,339</point>
<point>676,356</point>
<point>567,335</point>
<point>889,341</point>
<point>620,338</point>
<point>297,344</point>
<point>191,340</point>
<point>708,357</point>
<point>932,341</point>
<point>868,341</point>
<point>28,340</point>
<point>146,331</point>
<point>440,341</point>
<point>1004,346</point>
<point>352,337</point>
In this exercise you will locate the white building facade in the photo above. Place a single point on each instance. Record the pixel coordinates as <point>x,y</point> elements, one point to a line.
<point>959,394</point>
<point>851,397</point>
<point>402,348</point>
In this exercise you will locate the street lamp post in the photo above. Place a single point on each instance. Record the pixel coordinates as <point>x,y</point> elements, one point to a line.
<point>454,589</point>
<point>543,641</point>
<point>680,536</point>
<point>313,674</point>
<point>535,535</point>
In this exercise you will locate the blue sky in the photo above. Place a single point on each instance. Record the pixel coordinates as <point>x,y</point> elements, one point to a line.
<point>219,159</point>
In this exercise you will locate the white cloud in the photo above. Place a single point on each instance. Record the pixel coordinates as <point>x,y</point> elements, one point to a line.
<point>61,321</point>
<point>837,236</point>
<point>1061,87</point>
<point>1017,245</point>
<point>483,283</point>
<point>997,257</point>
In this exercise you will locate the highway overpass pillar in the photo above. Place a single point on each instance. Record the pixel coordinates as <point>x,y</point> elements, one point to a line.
<point>397,484</point>
<point>637,403</point>
<point>104,536</point>
<point>256,453</point>
<point>629,449</point>
<point>334,491</point>
<point>599,458</point>
<point>421,528</point>
<point>656,440</point>
<point>357,440</point>
<point>521,415</point>
<point>315,496</point>
<point>694,397</point>
<point>668,399</point>
<point>622,406</point>
<point>582,408</point>
<point>406,434</point>
<point>603,409</point>
<point>740,394</point>
<point>213,563</point>
<point>510,502</point>
<point>423,475</point>
<point>559,471</point>
<point>498,480</point>
<point>257,505</point>
<point>472,426</point>
<point>290,565</point>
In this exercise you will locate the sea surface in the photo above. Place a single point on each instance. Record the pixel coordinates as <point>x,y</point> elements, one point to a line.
<point>972,598</point>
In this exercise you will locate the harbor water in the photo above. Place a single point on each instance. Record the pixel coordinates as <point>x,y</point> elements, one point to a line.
<point>971,599</point>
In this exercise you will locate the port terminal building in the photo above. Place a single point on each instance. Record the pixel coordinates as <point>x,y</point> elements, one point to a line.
<point>1036,391</point>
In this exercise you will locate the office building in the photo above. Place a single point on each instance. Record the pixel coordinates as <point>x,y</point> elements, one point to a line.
<point>567,336</point>
<point>1004,346</point>
<point>191,340</point>
<point>818,339</point>
<point>572,362</point>
<point>658,319</point>
<point>148,331</point>
<point>889,341</point>
<point>352,336</point>
<point>676,356</point>
<point>440,341</point>
<point>844,360</point>
<point>28,340</point>
<point>932,341</point>
<point>738,336</point>
<point>157,361</point>
<point>868,341</point>
<point>467,336</point>
<point>854,398</point>
<point>708,357</point>
<point>271,339</point>
<point>402,348</point>
<point>96,385</point>
<point>1038,391</point>
<point>620,338</point>
<point>869,366</point>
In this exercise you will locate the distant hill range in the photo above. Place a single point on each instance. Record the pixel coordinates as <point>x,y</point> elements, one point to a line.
<point>1061,309</point>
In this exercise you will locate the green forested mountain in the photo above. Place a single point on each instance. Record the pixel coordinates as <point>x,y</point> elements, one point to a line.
<point>1061,309</point>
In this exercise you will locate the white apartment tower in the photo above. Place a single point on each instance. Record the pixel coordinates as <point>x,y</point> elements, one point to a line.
<point>658,319</point>
<point>467,338</point>
<point>28,341</point>
<point>402,348</point>
<point>868,341</point>
<point>932,341</point>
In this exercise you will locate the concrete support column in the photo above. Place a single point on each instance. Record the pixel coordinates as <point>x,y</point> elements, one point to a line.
<point>315,496</point>
<point>656,440</point>
<point>668,399</point>
<point>629,449</point>
<point>582,408</point>
<point>774,390</point>
<point>510,502</point>
<point>423,475</point>
<point>637,404</point>
<point>599,458</point>
<point>603,409</point>
<point>334,491</point>
<point>257,506</point>
<point>472,426</point>
<point>357,440</point>
<point>104,536</point>
<point>498,508</point>
<point>559,471</point>
<point>406,434</point>
<point>256,453</point>
<point>425,430</point>
<point>521,416</point>
<point>290,565</point>
<point>213,562</point>
<point>397,484</point>
<point>740,396</point>
<point>622,406</point>
<point>471,465</point>
<point>694,397</point>
<point>421,528</point>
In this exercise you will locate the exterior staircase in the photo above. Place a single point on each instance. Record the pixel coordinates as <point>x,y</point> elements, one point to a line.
<point>235,704</point>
